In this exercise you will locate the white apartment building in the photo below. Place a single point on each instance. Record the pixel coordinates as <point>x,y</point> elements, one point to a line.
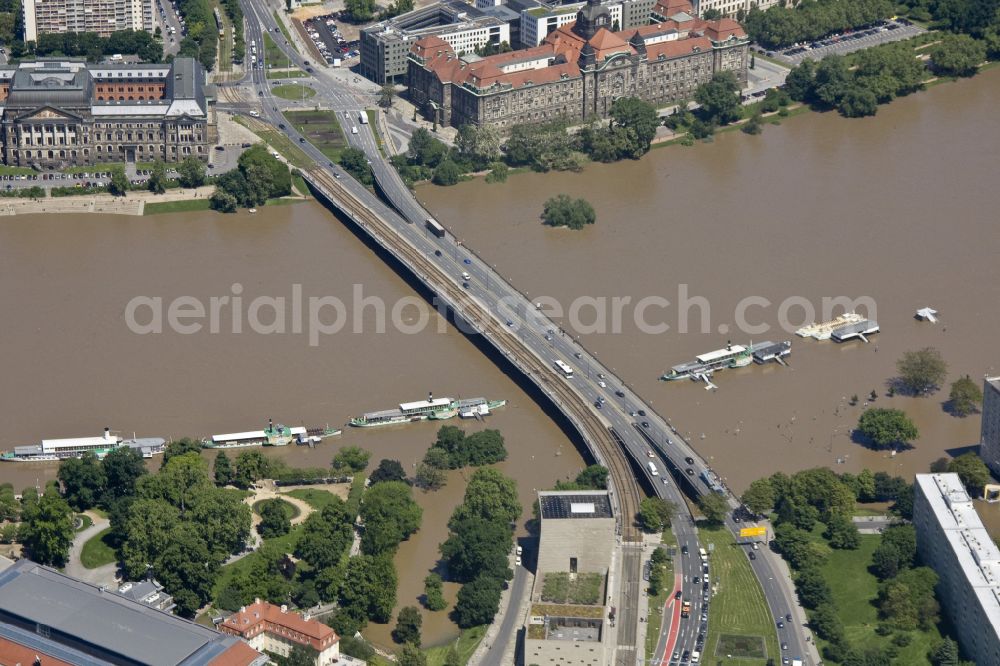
<point>731,7</point>
<point>951,540</point>
<point>989,441</point>
<point>101,16</point>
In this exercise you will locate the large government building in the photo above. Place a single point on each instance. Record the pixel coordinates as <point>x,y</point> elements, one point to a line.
<point>56,113</point>
<point>579,69</point>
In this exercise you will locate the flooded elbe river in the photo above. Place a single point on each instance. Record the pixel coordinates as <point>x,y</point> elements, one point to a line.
<point>900,208</point>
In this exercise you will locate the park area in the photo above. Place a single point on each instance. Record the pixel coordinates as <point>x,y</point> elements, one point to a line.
<point>293,91</point>
<point>320,128</point>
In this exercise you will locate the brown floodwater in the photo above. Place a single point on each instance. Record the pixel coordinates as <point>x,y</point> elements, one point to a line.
<point>901,208</point>
<point>72,366</point>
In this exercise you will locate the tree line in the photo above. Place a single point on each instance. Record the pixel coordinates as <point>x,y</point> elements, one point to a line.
<point>781,25</point>
<point>258,177</point>
<point>91,46</point>
<point>453,449</point>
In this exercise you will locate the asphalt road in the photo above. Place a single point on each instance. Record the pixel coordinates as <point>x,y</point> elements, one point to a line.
<point>534,330</point>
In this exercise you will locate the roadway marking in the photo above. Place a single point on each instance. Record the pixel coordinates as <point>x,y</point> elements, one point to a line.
<point>675,620</point>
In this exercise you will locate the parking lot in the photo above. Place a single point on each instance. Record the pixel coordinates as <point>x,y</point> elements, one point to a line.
<point>848,42</point>
<point>325,34</point>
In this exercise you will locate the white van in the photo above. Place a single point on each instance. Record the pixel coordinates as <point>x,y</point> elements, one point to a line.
<point>695,657</point>
<point>354,130</point>
<point>704,555</point>
<point>466,276</point>
<point>652,469</point>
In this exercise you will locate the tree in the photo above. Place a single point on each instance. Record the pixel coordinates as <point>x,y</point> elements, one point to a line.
<point>352,458</point>
<point>157,183</point>
<point>390,516</point>
<point>799,82</point>
<point>857,102</point>
<point>408,624</point>
<point>447,173</point>
<point>714,507</point>
<point>179,447</point>
<point>387,470</point>
<point>946,654</point>
<point>759,497</point>
<point>429,477</point>
<point>425,150</point>
<point>191,172</point>
<point>973,472</point>
<point>145,528</point>
<point>355,647</point>
<point>826,623</point>
<point>325,536</point>
<point>371,594</point>
<point>479,146</point>
<point>301,655</point>
<point>476,547</point>
<point>655,514</point>
<point>940,465</point>
<point>921,371</point>
<point>251,466</point>
<point>360,11</point>
<point>385,95</point>
<point>412,656</point>
<point>47,530</point>
<point>490,495</point>
<point>720,99</point>
<point>224,473</point>
<point>187,570</point>
<point>274,520</point>
<point>639,120</point>
<point>223,201</point>
<point>182,481</point>
<point>484,447</point>
<point>279,181</point>
<point>498,173</point>
<point>812,588</point>
<point>896,552</point>
<point>222,520</point>
<point>841,532</point>
<point>118,185</point>
<point>434,593</point>
<point>887,428</point>
<point>478,602</point>
<point>754,125</point>
<point>593,477</point>
<point>82,480</point>
<point>965,397</point>
<point>561,211</point>
<point>958,55</point>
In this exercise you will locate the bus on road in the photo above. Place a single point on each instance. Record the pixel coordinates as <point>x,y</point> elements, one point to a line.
<point>564,369</point>
<point>434,227</point>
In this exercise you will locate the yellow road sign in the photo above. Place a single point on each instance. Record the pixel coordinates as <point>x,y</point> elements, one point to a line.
<point>750,532</point>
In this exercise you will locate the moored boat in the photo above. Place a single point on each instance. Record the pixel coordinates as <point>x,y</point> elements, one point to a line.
<point>56,450</point>
<point>824,330</point>
<point>438,409</point>
<point>273,435</point>
<point>731,356</point>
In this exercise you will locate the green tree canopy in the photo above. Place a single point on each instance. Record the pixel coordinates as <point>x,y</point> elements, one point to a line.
<point>887,428</point>
<point>434,592</point>
<point>47,530</point>
<point>478,601</point>
<point>179,447</point>
<point>223,471</point>
<point>83,481</point>
<point>191,172</point>
<point>759,496</point>
<point>714,507</point>
<point>388,470</point>
<point>965,397</point>
<point>351,458</point>
<point>958,55</point>
<point>390,516</point>
<point>325,535</point>
<point>408,624</point>
<point>921,371</point>
<point>720,99</point>
<point>274,520</point>
<point>490,495</point>
<point>371,592</point>
<point>562,211</point>
<point>655,514</point>
<point>973,472</point>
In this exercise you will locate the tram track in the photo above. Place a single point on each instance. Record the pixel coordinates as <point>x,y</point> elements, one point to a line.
<point>605,444</point>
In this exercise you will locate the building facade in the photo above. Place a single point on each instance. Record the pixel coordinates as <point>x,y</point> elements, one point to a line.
<point>101,16</point>
<point>989,441</point>
<point>951,540</point>
<point>271,628</point>
<point>538,22</point>
<point>386,45</point>
<point>59,113</point>
<point>577,72</point>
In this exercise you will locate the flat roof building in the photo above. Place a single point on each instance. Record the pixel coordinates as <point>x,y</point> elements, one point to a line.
<point>989,442</point>
<point>101,16</point>
<point>951,540</point>
<point>566,619</point>
<point>386,45</point>
<point>49,614</point>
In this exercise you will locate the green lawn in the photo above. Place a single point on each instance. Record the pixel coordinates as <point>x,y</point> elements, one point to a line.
<point>97,552</point>
<point>15,171</point>
<point>466,644</point>
<point>854,588</point>
<point>84,520</point>
<point>286,543</point>
<point>279,142</point>
<point>272,54</point>
<point>738,606</point>
<point>322,129</point>
<point>293,91</point>
<point>290,509</point>
<point>175,206</point>
<point>286,74</point>
<point>586,588</point>
<point>314,497</point>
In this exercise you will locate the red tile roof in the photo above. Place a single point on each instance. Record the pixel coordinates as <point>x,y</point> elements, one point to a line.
<point>723,29</point>
<point>263,616</point>
<point>678,47</point>
<point>12,653</point>
<point>239,654</point>
<point>671,7</point>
